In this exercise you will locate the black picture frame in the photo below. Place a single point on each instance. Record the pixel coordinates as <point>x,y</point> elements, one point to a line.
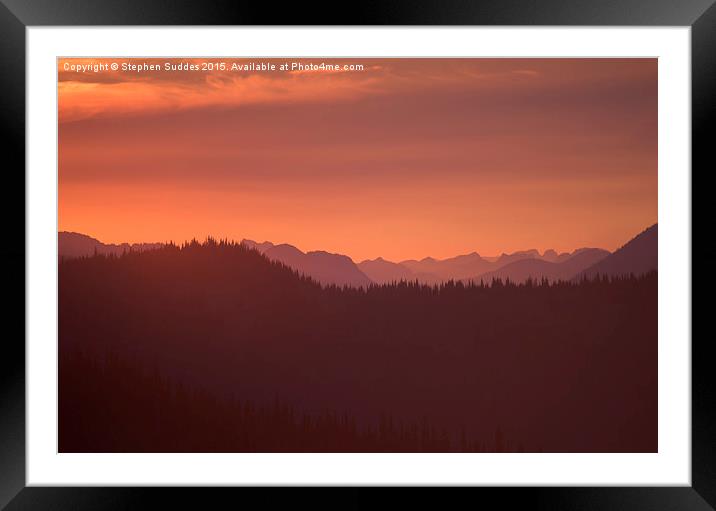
<point>16,15</point>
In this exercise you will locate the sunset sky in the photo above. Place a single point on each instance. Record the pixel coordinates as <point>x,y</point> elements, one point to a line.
<point>405,159</point>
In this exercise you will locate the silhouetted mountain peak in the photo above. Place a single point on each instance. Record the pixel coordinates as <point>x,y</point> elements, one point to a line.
<point>638,256</point>
<point>516,256</point>
<point>77,235</point>
<point>261,247</point>
<point>324,267</point>
<point>74,244</point>
<point>328,255</point>
<point>284,249</point>
<point>472,256</point>
<point>381,271</point>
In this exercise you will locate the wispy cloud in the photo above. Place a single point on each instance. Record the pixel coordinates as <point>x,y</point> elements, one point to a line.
<point>85,92</point>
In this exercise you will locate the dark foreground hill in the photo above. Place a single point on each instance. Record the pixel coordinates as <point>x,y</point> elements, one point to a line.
<point>214,347</point>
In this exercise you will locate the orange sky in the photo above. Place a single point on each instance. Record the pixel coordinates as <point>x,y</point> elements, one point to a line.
<point>405,159</point>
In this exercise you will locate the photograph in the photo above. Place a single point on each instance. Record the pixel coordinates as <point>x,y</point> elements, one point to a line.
<point>357,255</point>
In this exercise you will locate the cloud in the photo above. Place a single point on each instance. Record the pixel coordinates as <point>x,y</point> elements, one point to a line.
<point>84,91</point>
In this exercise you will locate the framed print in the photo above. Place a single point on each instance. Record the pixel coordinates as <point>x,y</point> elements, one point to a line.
<point>368,255</point>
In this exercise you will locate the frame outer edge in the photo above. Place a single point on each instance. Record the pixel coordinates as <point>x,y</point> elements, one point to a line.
<point>703,114</point>
<point>371,12</point>
<point>12,123</point>
<point>12,255</point>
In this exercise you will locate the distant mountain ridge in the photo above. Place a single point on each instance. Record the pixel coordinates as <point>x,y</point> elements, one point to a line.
<point>431,270</point>
<point>638,256</point>
<point>381,271</point>
<point>324,267</point>
<point>537,269</point>
<point>74,244</point>
<point>517,266</point>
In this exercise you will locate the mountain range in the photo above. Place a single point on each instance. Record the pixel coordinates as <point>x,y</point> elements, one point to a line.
<point>538,268</point>
<point>74,244</point>
<point>637,256</point>
<point>517,266</point>
<point>322,266</point>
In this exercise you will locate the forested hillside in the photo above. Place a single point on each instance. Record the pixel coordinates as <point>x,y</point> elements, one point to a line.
<point>213,347</point>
